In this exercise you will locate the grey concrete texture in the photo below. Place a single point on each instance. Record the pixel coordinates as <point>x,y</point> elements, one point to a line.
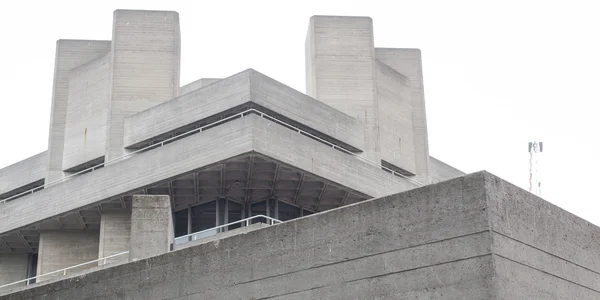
<point>247,88</point>
<point>66,248</point>
<point>395,119</point>
<point>151,226</point>
<point>87,112</point>
<point>23,172</point>
<point>69,54</point>
<point>145,67</point>
<point>340,71</point>
<point>473,237</point>
<point>248,134</point>
<point>192,86</point>
<point>408,62</point>
<point>440,171</point>
<point>13,267</point>
<point>115,232</point>
<point>221,235</point>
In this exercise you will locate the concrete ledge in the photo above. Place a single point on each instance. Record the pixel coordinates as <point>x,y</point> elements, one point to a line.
<point>248,89</point>
<point>22,174</point>
<point>248,134</point>
<point>441,171</point>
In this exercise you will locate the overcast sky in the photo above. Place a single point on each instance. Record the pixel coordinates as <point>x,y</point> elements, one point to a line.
<point>496,75</point>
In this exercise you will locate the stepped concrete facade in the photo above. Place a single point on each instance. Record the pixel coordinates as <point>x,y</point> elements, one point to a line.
<point>152,190</point>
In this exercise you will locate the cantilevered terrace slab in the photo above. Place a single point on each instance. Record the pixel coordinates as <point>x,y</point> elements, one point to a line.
<point>250,134</point>
<point>247,89</point>
<point>23,175</point>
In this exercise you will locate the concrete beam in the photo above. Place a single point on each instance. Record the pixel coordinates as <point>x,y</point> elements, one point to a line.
<point>151,226</point>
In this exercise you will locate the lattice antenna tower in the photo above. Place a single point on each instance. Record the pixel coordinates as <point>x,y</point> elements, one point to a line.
<point>535,182</point>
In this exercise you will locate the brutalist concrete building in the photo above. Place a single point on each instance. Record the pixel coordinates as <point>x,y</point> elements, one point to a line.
<point>244,188</point>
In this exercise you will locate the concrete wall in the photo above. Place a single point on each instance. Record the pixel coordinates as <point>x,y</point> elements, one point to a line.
<point>248,87</point>
<point>69,54</point>
<point>473,237</point>
<point>65,248</point>
<point>440,171</point>
<point>145,67</point>
<point>396,130</point>
<point>115,232</point>
<point>151,226</point>
<point>87,113</point>
<point>13,267</point>
<point>192,86</point>
<point>340,71</point>
<point>23,173</point>
<point>408,62</point>
<point>428,243</point>
<point>542,251</point>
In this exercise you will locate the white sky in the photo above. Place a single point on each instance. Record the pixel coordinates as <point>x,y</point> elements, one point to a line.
<point>496,75</point>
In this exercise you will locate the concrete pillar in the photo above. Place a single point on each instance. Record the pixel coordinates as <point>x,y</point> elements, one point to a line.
<point>408,63</point>
<point>69,54</point>
<point>115,230</point>
<point>13,267</point>
<point>340,71</point>
<point>60,249</point>
<point>145,67</point>
<point>151,226</point>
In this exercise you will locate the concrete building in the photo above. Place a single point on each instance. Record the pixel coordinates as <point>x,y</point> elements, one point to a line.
<point>143,178</point>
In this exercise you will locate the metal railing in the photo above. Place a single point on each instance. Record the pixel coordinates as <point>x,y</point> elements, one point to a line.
<point>63,272</point>
<point>215,230</point>
<point>208,126</point>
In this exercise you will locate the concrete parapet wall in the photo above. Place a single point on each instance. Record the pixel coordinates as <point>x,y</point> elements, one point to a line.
<point>441,171</point>
<point>192,86</point>
<point>23,173</point>
<point>459,239</point>
<point>246,88</point>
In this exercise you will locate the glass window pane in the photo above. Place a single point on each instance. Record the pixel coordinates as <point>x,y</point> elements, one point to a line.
<point>204,216</point>
<point>234,214</point>
<point>181,222</point>
<point>288,212</point>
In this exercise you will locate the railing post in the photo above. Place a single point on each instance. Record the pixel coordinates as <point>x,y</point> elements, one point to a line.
<point>65,272</point>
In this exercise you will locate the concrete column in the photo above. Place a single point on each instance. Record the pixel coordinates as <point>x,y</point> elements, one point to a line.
<point>340,71</point>
<point>145,67</point>
<point>13,267</point>
<point>408,63</point>
<point>151,226</point>
<point>66,248</point>
<point>69,54</point>
<point>115,230</point>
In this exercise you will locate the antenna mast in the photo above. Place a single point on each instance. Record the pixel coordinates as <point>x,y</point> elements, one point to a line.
<point>535,182</point>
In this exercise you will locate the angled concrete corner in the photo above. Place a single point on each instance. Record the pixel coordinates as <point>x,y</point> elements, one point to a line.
<point>473,237</point>
<point>151,226</point>
<point>192,86</point>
